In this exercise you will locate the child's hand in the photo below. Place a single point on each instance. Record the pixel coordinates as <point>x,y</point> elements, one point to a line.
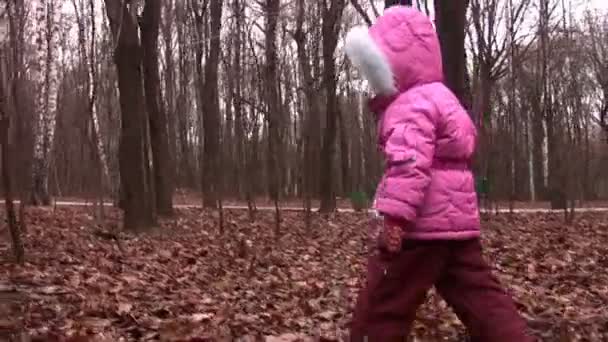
<point>392,235</point>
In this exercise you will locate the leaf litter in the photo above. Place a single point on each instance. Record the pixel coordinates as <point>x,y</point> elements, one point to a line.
<point>186,282</point>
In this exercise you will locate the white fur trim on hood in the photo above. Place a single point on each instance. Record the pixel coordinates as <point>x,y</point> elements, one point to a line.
<point>367,57</point>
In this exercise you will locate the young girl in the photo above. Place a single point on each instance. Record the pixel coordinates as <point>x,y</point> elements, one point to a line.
<point>427,195</point>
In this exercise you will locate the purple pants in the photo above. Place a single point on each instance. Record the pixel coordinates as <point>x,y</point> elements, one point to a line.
<point>397,285</point>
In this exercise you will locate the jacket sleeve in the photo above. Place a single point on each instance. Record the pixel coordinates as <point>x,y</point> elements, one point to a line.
<point>409,148</point>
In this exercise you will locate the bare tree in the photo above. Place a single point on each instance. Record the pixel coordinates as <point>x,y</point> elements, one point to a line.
<point>186,167</point>
<point>17,17</point>
<point>332,16</point>
<point>209,97</point>
<point>598,54</point>
<point>170,93</point>
<point>239,40</point>
<point>88,57</point>
<point>491,56</point>
<point>311,108</point>
<point>450,21</point>
<point>266,96</point>
<point>158,119</point>
<point>272,99</point>
<point>5,119</point>
<point>47,77</point>
<point>546,106</point>
<point>490,52</point>
<point>133,145</point>
<point>362,12</point>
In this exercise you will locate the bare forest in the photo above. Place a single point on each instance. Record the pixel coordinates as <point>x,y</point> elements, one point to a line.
<point>185,169</point>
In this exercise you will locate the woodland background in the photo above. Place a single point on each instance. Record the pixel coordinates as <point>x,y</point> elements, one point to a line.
<point>238,99</point>
<point>149,104</point>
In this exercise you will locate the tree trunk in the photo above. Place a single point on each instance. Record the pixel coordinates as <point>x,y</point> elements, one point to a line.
<point>17,16</point>
<point>159,139</point>
<point>170,94</point>
<point>239,115</point>
<point>228,151</point>
<point>272,98</point>
<point>46,105</point>
<point>450,21</point>
<point>357,143</point>
<point>310,109</point>
<point>556,192</point>
<point>100,170</point>
<point>330,30</point>
<point>588,191</point>
<point>211,110</point>
<point>128,58</point>
<point>6,150</point>
<point>7,182</point>
<point>186,169</point>
<point>344,154</point>
<point>389,3</point>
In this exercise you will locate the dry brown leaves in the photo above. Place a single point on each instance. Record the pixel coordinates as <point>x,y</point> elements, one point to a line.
<point>185,282</point>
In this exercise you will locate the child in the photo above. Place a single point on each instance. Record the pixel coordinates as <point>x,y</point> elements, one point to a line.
<point>427,195</point>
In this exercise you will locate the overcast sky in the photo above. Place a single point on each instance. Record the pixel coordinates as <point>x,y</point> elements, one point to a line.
<point>603,4</point>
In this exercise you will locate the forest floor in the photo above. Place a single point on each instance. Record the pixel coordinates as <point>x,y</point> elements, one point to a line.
<point>191,197</point>
<point>186,279</point>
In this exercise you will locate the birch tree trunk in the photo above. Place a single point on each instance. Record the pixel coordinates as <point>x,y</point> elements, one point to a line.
<point>47,82</point>
<point>89,63</point>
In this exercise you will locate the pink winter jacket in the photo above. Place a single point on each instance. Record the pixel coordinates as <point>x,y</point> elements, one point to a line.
<point>427,136</point>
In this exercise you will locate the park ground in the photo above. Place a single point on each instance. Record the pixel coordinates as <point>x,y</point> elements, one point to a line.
<point>187,281</point>
<point>188,197</point>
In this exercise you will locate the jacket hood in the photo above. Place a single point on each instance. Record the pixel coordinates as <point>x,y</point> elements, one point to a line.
<point>399,51</point>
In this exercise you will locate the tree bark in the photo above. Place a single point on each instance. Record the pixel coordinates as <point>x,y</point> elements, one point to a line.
<point>228,150</point>
<point>47,90</point>
<point>389,3</point>
<point>330,29</point>
<point>272,98</point>
<point>241,158</point>
<point>310,111</point>
<point>128,58</point>
<point>211,110</point>
<point>6,148</point>
<point>161,157</point>
<point>344,154</point>
<point>17,16</point>
<point>186,169</point>
<point>450,21</point>
<point>170,94</point>
<point>100,170</point>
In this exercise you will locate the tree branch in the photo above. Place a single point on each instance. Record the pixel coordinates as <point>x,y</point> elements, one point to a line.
<point>374,8</point>
<point>361,12</point>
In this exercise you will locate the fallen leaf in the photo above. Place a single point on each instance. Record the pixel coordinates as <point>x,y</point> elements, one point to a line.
<point>199,317</point>
<point>124,308</point>
<point>185,281</point>
<point>328,315</point>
